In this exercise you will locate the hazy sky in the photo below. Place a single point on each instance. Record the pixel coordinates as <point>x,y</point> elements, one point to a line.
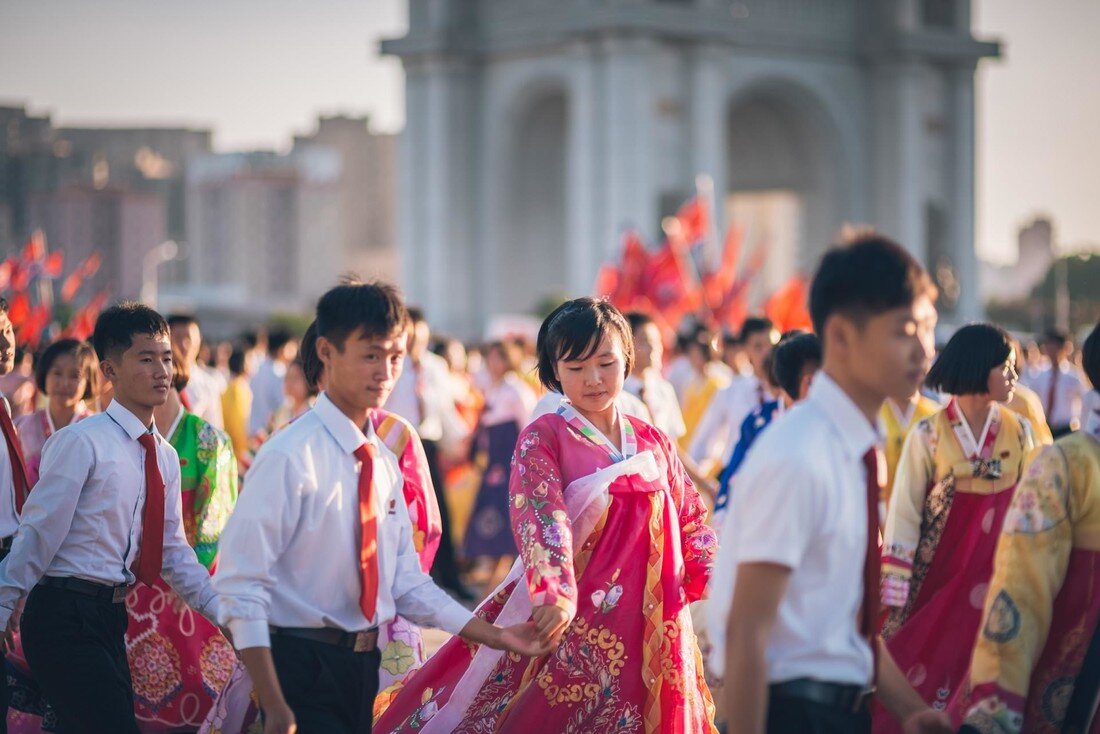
<point>259,70</point>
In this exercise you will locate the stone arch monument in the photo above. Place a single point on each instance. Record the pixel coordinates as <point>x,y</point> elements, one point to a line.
<point>537,129</point>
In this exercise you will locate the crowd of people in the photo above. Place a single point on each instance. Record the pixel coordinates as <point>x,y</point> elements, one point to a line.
<point>853,529</point>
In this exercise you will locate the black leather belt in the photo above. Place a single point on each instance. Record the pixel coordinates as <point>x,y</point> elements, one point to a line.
<point>845,697</point>
<point>356,641</point>
<point>102,592</point>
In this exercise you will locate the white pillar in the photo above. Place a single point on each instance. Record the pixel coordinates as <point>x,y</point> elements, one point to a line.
<point>965,257</point>
<point>708,123</point>
<point>413,177</point>
<point>435,177</point>
<point>583,253</point>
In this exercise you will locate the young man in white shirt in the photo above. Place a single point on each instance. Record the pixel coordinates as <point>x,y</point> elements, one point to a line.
<point>797,643</point>
<point>105,513</point>
<point>720,427</point>
<point>203,394</point>
<point>267,381</point>
<point>320,553</point>
<point>13,472</point>
<point>1059,385</point>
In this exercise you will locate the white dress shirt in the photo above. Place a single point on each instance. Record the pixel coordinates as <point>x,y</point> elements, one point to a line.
<point>720,427</point>
<point>1067,394</point>
<point>439,419</point>
<point>627,403</point>
<point>84,517</point>
<point>9,518</point>
<point>267,394</point>
<point>1089,404</point>
<point>204,392</point>
<point>510,400</point>
<point>659,397</point>
<point>289,555</point>
<point>802,503</point>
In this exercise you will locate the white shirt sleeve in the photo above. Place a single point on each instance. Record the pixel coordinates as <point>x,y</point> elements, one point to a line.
<point>253,540</point>
<point>775,512</point>
<point>713,428</point>
<point>67,458</point>
<point>181,567</point>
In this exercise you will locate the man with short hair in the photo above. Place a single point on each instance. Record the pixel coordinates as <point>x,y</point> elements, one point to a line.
<point>203,394</point>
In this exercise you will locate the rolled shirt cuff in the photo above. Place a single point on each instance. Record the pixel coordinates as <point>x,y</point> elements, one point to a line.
<point>453,617</point>
<point>249,633</point>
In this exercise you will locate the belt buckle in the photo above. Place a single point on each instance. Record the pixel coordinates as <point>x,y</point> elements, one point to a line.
<point>862,698</point>
<point>366,641</point>
<point>118,595</point>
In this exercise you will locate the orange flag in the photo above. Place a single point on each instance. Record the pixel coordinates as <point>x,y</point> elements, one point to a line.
<point>787,307</point>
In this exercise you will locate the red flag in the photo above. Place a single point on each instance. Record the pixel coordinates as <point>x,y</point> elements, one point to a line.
<point>718,283</point>
<point>694,218</point>
<point>75,279</point>
<point>38,319</point>
<point>787,307</point>
<point>55,261</point>
<point>667,286</point>
<point>19,309</point>
<point>20,275</point>
<point>35,249</point>
<point>90,267</point>
<point>607,282</point>
<point>83,322</point>
<point>632,270</point>
<point>735,304</point>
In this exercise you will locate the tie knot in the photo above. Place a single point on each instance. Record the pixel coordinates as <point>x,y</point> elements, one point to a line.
<point>147,441</point>
<point>364,452</point>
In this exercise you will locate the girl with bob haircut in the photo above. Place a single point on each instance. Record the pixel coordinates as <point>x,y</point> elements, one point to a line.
<point>613,547</point>
<point>66,375</point>
<point>955,479</point>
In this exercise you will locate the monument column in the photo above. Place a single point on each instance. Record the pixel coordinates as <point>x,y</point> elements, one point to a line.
<point>964,256</point>
<point>583,249</point>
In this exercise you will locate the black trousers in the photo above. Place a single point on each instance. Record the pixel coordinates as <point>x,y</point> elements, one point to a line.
<point>75,646</point>
<point>790,715</point>
<point>330,689</point>
<point>444,567</point>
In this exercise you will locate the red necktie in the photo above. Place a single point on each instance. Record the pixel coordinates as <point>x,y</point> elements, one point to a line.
<point>1051,392</point>
<point>15,455</point>
<point>368,536</point>
<point>872,562</point>
<point>150,555</point>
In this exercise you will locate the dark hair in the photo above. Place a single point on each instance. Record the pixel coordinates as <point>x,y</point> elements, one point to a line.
<point>181,370</point>
<point>85,359</point>
<point>236,361</point>
<point>972,352</point>
<point>376,308</point>
<point>867,277</point>
<point>3,306</point>
<point>277,339</point>
<point>509,351</point>
<point>1056,336</point>
<point>180,319</point>
<point>755,325</point>
<point>637,320</point>
<point>312,366</point>
<point>1090,356</point>
<point>116,327</point>
<point>790,358</point>
<point>573,331</point>
<point>313,386</point>
<point>416,316</point>
<point>249,340</point>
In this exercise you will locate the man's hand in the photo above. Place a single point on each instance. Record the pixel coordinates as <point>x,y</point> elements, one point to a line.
<point>550,621</point>
<point>928,721</point>
<point>279,720</point>
<point>524,639</point>
<point>8,644</point>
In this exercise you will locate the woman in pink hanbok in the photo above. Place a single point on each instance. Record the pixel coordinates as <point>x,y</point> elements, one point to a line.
<point>613,548</point>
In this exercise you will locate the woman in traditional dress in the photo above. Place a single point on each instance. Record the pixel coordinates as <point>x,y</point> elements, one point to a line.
<point>706,380</point>
<point>179,661</point>
<point>400,641</point>
<point>508,404</point>
<point>954,482</point>
<point>613,548</point>
<point>1035,667</point>
<point>66,375</point>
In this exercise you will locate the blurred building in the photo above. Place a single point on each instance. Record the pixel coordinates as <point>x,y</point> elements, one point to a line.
<point>366,189</point>
<point>1034,256</point>
<point>121,224</point>
<point>536,130</point>
<point>263,236</point>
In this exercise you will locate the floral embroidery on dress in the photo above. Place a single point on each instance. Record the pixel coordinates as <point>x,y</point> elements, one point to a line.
<point>605,601</point>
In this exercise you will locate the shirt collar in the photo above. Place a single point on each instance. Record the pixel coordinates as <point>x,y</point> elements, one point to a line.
<point>856,433</point>
<point>348,435</point>
<point>128,422</point>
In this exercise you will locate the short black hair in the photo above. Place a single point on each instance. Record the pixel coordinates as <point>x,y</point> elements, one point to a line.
<point>236,361</point>
<point>181,319</point>
<point>249,339</point>
<point>85,359</point>
<point>573,331</point>
<point>964,364</point>
<point>312,366</point>
<point>3,306</point>
<point>866,277</point>
<point>1056,336</point>
<point>416,316</point>
<point>116,327</point>
<point>790,358</point>
<point>376,308</point>
<point>755,325</point>
<point>637,320</point>
<point>277,339</point>
<point>1090,356</point>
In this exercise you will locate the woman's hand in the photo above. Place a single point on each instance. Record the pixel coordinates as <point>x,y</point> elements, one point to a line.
<point>550,622</point>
